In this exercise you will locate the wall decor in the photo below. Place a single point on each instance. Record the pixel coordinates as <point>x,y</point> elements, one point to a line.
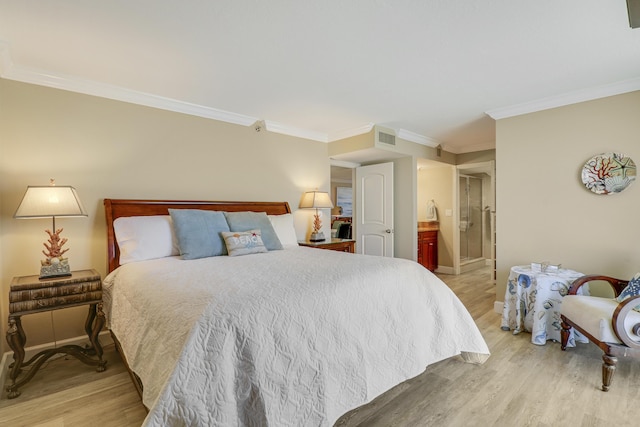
<point>608,173</point>
<point>343,199</point>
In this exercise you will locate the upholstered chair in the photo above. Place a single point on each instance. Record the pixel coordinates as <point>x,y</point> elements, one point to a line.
<point>612,325</point>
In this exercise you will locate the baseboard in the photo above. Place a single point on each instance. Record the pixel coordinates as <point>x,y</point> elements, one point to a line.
<point>472,265</point>
<point>444,270</point>
<point>498,306</point>
<point>82,341</point>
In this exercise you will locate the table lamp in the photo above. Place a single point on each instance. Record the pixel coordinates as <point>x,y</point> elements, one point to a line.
<point>51,201</point>
<point>316,200</point>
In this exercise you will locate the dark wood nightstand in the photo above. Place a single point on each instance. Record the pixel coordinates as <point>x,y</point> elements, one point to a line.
<point>30,295</point>
<point>342,245</point>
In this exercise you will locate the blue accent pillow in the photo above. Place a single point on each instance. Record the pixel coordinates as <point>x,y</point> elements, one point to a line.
<point>245,221</point>
<point>198,232</point>
<point>632,289</point>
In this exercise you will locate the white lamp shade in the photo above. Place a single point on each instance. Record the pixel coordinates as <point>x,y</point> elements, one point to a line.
<point>50,201</point>
<point>315,199</point>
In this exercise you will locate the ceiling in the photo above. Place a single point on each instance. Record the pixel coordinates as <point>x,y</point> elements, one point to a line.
<point>436,71</point>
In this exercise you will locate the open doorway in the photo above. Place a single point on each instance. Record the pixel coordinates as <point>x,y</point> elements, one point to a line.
<point>465,213</point>
<point>342,198</point>
<point>475,216</point>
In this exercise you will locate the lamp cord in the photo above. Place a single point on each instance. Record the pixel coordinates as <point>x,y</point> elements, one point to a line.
<point>55,343</point>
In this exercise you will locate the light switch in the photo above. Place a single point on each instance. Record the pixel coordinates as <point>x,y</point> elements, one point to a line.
<point>448,212</point>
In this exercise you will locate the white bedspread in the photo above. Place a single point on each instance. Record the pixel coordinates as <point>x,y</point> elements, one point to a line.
<point>295,337</point>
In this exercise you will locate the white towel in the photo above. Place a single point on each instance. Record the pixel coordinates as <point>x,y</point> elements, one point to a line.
<point>432,212</point>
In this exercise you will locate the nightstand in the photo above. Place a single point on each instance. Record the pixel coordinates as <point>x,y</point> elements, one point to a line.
<point>30,295</point>
<point>341,245</point>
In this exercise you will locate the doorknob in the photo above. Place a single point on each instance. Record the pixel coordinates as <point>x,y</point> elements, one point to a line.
<point>388,230</point>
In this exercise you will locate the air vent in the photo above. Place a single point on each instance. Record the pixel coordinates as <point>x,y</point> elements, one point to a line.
<point>386,138</point>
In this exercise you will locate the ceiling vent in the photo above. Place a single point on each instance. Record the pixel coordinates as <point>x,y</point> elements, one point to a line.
<point>385,136</point>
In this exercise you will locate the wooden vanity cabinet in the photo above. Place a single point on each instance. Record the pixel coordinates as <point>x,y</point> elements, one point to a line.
<point>428,249</point>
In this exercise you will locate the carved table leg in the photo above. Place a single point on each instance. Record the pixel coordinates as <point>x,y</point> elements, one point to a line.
<point>88,324</point>
<point>93,329</point>
<point>564,335</point>
<point>608,369</point>
<point>16,340</point>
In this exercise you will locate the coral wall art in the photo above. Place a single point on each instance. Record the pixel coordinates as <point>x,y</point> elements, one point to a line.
<point>608,173</point>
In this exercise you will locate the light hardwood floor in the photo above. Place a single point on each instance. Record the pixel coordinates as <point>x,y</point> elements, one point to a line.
<point>520,385</point>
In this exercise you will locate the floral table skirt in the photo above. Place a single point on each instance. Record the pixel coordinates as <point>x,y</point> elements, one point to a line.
<point>532,303</point>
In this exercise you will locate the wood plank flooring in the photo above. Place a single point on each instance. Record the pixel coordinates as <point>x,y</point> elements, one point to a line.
<point>520,385</point>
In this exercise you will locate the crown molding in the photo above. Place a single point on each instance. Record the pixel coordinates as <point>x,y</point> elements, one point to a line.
<point>297,132</point>
<point>417,138</point>
<point>348,133</point>
<point>10,71</point>
<point>125,95</point>
<point>470,148</point>
<point>343,163</point>
<point>575,97</point>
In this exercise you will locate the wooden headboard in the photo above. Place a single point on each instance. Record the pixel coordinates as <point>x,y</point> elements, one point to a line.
<point>116,208</point>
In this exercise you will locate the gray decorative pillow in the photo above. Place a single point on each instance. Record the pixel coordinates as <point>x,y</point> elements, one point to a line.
<point>245,221</point>
<point>198,232</point>
<point>243,242</point>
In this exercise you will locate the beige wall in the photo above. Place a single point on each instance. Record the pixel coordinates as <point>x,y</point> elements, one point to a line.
<point>437,183</point>
<point>111,149</point>
<point>354,143</point>
<point>476,157</point>
<point>405,242</point>
<point>544,213</point>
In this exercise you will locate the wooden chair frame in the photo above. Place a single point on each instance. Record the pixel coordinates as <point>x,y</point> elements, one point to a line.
<point>628,348</point>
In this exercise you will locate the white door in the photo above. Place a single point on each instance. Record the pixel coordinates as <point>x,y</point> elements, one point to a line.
<point>374,211</point>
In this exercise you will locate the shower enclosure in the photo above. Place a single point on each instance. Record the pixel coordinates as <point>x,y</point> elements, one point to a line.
<point>471,218</point>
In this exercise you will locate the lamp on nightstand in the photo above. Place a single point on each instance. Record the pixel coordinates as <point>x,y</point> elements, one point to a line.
<point>316,200</point>
<point>51,201</point>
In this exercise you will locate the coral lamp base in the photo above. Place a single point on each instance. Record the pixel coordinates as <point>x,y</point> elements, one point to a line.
<point>53,270</point>
<point>317,237</point>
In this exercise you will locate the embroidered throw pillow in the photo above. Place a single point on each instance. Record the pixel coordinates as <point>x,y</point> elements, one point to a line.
<point>243,242</point>
<point>632,289</point>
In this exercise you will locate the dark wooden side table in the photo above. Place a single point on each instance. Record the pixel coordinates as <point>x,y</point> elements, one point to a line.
<point>30,295</point>
<point>342,245</point>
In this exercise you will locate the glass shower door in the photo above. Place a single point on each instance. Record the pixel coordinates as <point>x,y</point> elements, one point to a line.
<point>470,222</point>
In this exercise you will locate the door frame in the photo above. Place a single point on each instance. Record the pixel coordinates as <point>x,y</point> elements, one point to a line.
<point>487,167</point>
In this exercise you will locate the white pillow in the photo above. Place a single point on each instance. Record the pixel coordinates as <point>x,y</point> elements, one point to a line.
<point>145,237</point>
<point>283,225</point>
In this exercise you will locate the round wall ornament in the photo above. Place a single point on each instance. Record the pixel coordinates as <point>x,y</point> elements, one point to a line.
<point>608,173</point>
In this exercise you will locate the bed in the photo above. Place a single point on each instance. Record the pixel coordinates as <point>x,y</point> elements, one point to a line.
<point>288,337</point>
